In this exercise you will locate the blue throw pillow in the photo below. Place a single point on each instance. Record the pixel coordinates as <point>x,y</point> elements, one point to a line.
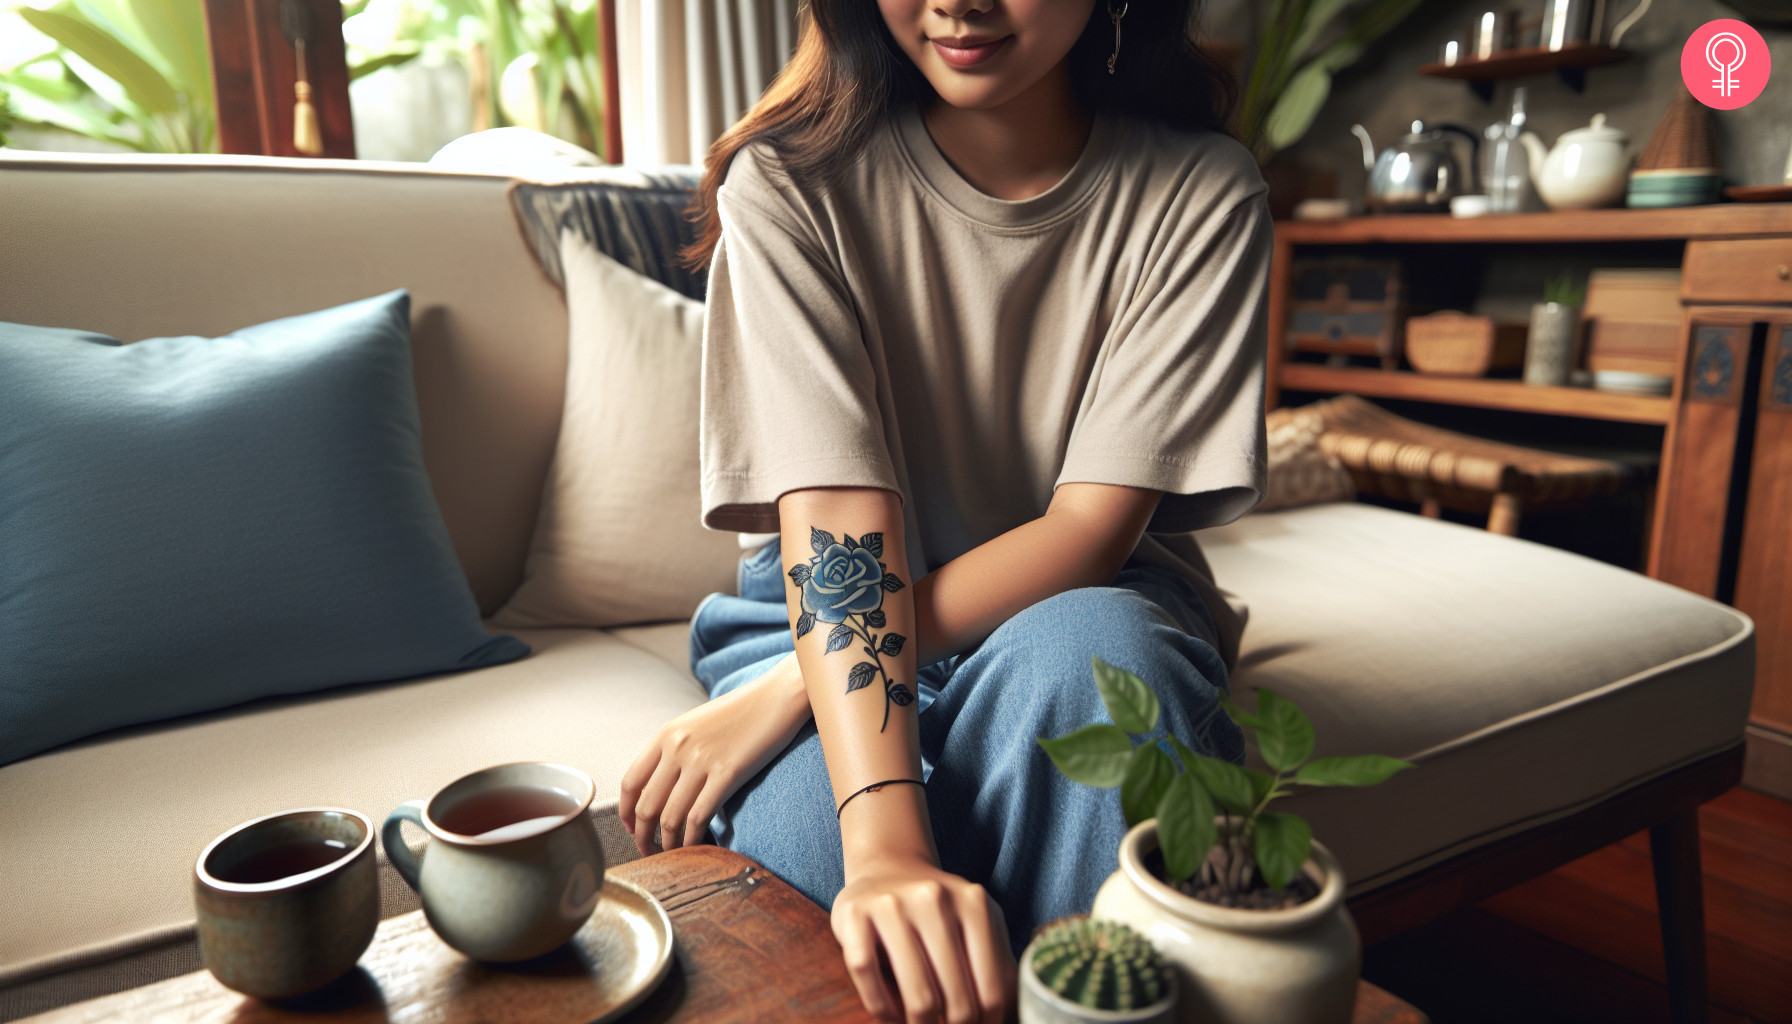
<point>188,523</point>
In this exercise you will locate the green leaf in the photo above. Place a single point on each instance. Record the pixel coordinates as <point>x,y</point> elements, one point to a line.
<point>1298,105</point>
<point>1285,738</point>
<point>389,59</point>
<point>1185,829</point>
<point>1095,755</point>
<point>1243,718</point>
<point>144,84</point>
<point>171,33</point>
<point>1130,703</point>
<point>1227,782</point>
<point>1366,770</point>
<point>1148,775</point>
<point>1319,16</point>
<point>1281,843</point>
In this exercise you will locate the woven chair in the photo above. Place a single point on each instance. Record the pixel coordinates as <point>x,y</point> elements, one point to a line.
<point>1393,457</point>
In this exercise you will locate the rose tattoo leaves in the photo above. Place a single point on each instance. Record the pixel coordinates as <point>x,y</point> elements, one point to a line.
<point>844,584</point>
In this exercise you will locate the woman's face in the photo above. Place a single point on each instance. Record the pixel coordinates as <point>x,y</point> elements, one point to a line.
<point>979,54</point>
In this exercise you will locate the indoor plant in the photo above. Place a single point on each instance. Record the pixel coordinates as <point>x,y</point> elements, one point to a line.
<point>532,63</point>
<point>1083,971</point>
<point>1238,897</point>
<point>1300,46</point>
<point>1555,322</point>
<point>135,73</point>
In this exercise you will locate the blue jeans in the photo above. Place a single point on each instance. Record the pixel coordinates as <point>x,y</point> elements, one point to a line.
<point>1002,814</point>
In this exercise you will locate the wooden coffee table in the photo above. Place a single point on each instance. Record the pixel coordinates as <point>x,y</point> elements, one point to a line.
<point>750,949</point>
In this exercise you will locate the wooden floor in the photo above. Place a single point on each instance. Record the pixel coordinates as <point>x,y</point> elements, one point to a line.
<point>1581,944</point>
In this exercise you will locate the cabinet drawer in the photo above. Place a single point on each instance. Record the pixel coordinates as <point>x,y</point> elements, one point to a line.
<point>1745,270</point>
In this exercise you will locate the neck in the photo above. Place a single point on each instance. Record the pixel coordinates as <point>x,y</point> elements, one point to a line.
<point>1019,149</point>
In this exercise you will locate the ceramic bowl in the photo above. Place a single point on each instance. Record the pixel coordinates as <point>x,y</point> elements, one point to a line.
<point>272,932</point>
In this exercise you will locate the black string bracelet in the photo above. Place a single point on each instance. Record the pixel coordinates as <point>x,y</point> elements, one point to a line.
<point>874,785</point>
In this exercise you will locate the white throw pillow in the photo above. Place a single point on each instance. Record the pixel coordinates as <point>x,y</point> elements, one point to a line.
<point>619,539</point>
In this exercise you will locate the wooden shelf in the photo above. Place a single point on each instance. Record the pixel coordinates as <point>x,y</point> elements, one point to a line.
<point>1723,220</point>
<point>1570,62</point>
<point>1526,61</point>
<point>1511,395</point>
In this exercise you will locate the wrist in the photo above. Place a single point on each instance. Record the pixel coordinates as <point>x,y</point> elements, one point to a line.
<point>884,826</point>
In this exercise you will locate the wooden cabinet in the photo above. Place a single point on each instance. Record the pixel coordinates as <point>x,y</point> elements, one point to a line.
<point>1722,516</point>
<point>1738,270</point>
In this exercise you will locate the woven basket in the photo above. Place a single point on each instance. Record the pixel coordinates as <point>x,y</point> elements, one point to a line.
<point>1452,344</point>
<point>1682,140</point>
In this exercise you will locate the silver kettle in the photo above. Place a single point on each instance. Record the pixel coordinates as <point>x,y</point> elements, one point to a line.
<point>1418,174</point>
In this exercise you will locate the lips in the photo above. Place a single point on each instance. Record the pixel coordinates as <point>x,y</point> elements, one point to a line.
<point>965,53</point>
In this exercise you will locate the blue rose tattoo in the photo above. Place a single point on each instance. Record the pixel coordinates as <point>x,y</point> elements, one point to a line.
<point>845,584</point>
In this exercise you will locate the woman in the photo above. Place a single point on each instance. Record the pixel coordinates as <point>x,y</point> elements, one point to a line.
<point>984,321</point>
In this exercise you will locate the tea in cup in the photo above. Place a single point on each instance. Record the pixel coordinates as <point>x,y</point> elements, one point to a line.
<point>513,867</point>
<point>288,902</point>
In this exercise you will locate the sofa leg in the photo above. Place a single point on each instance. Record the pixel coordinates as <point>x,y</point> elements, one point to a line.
<point>1679,895</point>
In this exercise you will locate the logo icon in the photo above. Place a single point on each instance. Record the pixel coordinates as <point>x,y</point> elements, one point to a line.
<point>1725,64</point>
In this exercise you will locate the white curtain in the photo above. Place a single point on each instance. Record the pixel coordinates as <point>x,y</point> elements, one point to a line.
<point>688,69</point>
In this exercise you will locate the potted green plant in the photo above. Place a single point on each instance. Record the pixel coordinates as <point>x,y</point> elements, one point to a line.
<point>1242,901</point>
<point>1083,971</point>
<point>1549,353</point>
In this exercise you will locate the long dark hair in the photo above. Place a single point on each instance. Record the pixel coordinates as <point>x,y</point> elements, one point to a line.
<point>848,74</point>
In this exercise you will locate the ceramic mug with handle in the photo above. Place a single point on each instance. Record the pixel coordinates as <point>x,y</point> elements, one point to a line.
<point>513,867</point>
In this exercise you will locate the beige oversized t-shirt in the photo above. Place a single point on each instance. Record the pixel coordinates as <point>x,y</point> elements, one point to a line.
<point>902,330</point>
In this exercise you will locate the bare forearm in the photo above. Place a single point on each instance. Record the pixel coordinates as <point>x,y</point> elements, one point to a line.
<point>852,612</point>
<point>1082,541</point>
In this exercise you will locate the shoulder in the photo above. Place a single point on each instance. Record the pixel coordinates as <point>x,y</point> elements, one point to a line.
<point>759,181</point>
<point>1192,172</point>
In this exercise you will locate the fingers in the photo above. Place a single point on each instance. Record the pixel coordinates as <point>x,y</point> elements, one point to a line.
<point>908,962</point>
<point>632,781</point>
<point>652,802</point>
<point>858,942</point>
<point>715,791</point>
<point>991,959</point>
<point>935,919</point>
<point>677,813</point>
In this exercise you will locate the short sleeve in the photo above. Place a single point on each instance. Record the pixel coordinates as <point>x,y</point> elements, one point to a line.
<point>1176,402</point>
<point>789,394</point>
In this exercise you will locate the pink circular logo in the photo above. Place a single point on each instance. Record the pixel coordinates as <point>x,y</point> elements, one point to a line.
<point>1725,64</point>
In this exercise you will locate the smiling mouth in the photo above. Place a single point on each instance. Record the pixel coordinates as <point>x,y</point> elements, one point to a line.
<point>967,53</point>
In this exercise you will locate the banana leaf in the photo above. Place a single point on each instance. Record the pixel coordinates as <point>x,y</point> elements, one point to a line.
<point>146,87</point>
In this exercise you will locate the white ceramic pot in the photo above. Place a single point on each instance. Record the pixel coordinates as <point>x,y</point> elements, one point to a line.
<point>1588,168</point>
<point>1295,966</point>
<point>1040,1005</point>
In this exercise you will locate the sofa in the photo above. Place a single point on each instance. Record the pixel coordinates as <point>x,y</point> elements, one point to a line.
<point>1552,704</point>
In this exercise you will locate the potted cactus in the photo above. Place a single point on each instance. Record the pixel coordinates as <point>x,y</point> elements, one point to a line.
<point>1247,908</point>
<point>1081,971</point>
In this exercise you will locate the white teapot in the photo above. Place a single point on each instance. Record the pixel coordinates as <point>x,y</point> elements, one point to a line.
<point>1588,167</point>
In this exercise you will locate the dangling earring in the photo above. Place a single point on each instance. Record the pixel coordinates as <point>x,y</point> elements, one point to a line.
<point>1115,17</point>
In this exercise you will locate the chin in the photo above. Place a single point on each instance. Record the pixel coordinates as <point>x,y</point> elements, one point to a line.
<point>969,94</point>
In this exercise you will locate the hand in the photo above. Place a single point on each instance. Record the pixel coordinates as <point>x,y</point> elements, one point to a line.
<point>943,938</point>
<point>697,760</point>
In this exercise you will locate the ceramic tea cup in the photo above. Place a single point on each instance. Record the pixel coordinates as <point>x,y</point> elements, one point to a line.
<point>287,903</point>
<point>513,867</point>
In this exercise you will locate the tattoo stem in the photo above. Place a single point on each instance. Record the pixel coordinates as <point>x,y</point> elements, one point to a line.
<point>878,660</point>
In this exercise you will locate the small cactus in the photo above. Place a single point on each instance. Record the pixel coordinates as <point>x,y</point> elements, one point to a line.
<point>1100,964</point>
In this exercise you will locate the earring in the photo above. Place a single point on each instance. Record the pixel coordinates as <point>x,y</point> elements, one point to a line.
<point>1115,17</point>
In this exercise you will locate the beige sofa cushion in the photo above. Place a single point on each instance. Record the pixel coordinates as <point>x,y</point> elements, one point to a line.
<point>139,247</point>
<point>1527,683</point>
<point>101,836</point>
<point>621,538</point>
